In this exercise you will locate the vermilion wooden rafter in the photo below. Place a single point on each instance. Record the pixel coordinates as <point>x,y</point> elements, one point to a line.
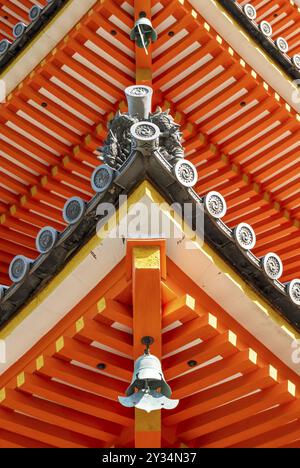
<point>265,199</point>
<point>232,175</point>
<point>220,404</point>
<point>254,194</point>
<point>80,186</point>
<point>146,261</point>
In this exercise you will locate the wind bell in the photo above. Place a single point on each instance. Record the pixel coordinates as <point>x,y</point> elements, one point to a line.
<point>147,379</point>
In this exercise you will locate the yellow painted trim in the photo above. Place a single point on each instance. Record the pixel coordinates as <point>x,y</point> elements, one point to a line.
<point>232,338</point>
<point>79,325</point>
<point>183,446</point>
<point>146,258</point>
<point>60,344</point>
<point>213,321</point>
<point>190,302</point>
<point>2,395</point>
<point>146,189</point>
<point>291,388</point>
<point>273,373</point>
<point>20,379</point>
<point>39,363</point>
<point>143,74</point>
<point>101,305</point>
<point>252,356</point>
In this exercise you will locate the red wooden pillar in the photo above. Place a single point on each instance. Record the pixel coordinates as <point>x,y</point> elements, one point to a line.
<point>147,268</point>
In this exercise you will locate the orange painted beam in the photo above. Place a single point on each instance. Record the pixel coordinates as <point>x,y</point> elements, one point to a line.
<point>73,349</point>
<point>114,311</point>
<point>44,432</point>
<point>212,397</point>
<point>77,399</point>
<point>147,314</point>
<point>85,306</point>
<point>202,328</point>
<point>224,344</point>
<point>181,308</point>
<point>216,372</point>
<point>116,339</point>
<point>60,416</point>
<point>236,411</point>
<point>256,424</point>
<point>104,386</point>
<point>147,321</point>
<point>11,440</point>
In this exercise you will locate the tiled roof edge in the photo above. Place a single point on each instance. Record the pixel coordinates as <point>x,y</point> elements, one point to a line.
<point>266,43</point>
<point>160,173</point>
<point>34,27</point>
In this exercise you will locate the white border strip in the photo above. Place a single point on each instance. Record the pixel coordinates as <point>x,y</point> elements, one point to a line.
<point>48,39</point>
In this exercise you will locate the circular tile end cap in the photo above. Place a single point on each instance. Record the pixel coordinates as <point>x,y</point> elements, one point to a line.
<point>272,266</point>
<point>18,268</point>
<point>245,236</point>
<point>250,11</point>
<point>101,178</point>
<point>46,239</point>
<point>293,290</point>
<point>215,205</point>
<point>73,210</point>
<point>186,173</point>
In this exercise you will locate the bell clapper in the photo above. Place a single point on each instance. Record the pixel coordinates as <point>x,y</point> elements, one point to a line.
<point>142,39</point>
<point>147,387</point>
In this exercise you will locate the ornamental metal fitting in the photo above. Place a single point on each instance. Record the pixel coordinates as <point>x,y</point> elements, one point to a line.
<point>215,205</point>
<point>250,11</point>
<point>101,178</point>
<point>272,266</point>
<point>139,99</point>
<point>19,268</point>
<point>137,124</point>
<point>74,210</point>
<point>145,137</point>
<point>46,239</point>
<point>244,236</point>
<point>293,290</point>
<point>186,173</point>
